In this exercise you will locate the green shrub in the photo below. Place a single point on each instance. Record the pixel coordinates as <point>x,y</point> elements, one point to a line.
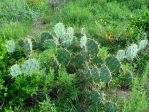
<point>138,104</point>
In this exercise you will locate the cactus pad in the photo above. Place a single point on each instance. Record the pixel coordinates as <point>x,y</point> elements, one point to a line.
<point>21,42</point>
<point>95,74</point>
<point>128,78</point>
<point>30,66</point>
<point>143,44</point>
<point>45,36</point>
<point>95,97</point>
<point>67,40</point>
<point>120,55</point>
<point>49,44</point>
<point>83,41</point>
<point>105,74</point>
<point>113,64</point>
<point>132,51</point>
<point>63,56</point>
<point>92,47</point>
<point>10,45</point>
<point>15,70</point>
<point>28,47</point>
<point>59,30</point>
<point>78,61</point>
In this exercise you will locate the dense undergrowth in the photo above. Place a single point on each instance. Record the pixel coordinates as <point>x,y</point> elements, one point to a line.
<point>74,56</point>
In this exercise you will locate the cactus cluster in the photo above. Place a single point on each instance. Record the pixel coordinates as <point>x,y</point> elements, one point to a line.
<point>78,55</point>
<point>64,36</point>
<point>131,52</point>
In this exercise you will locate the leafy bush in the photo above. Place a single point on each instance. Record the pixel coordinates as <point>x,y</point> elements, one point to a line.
<point>138,104</point>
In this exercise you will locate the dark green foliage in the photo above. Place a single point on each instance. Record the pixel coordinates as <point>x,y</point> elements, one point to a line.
<point>110,107</point>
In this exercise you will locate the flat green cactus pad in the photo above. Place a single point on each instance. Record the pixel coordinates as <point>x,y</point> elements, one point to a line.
<point>120,55</point>
<point>92,47</point>
<point>113,64</point>
<point>46,36</point>
<point>95,74</point>
<point>132,51</point>
<point>49,44</point>
<point>59,30</point>
<point>15,70</point>
<point>105,74</point>
<point>78,60</point>
<point>143,44</point>
<point>128,78</point>
<point>95,97</point>
<point>10,45</point>
<point>63,56</point>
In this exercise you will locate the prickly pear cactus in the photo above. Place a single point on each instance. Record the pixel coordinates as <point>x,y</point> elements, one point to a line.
<point>15,70</point>
<point>95,74</point>
<point>70,31</point>
<point>128,78</point>
<point>10,45</point>
<point>120,55</point>
<point>97,61</point>
<point>59,30</point>
<point>28,47</point>
<point>34,44</point>
<point>132,51</point>
<point>49,44</point>
<point>78,60</point>
<point>46,36</point>
<point>63,56</point>
<point>105,74</point>
<point>21,42</point>
<point>143,44</point>
<point>67,40</point>
<point>92,47</point>
<point>83,41</point>
<point>30,66</point>
<point>113,64</point>
<point>110,107</point>
<point>95,97</point>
